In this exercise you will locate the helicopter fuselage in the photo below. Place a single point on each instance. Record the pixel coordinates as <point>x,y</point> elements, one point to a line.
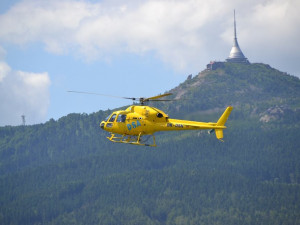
<point>146,120</point>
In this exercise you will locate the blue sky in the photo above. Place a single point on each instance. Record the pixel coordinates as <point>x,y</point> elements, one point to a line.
<point>127,48</point>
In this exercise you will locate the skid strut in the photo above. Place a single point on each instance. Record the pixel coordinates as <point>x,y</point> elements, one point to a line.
<point>131,139</point>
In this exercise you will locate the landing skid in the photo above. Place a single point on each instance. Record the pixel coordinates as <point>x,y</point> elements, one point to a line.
<point>131,139</point>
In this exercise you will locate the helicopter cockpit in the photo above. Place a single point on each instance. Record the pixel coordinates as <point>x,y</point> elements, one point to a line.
<point>114,117</point>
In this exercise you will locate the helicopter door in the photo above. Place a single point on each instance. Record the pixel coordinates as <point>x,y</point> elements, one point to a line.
<point>121,123</point>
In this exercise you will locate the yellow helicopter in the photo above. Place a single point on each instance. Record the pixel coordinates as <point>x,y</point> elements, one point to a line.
<point>130,126</point>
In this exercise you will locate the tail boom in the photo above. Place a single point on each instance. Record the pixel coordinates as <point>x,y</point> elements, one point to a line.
<point>174,124</point>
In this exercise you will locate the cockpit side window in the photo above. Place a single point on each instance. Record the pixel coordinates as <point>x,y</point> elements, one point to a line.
<point>107,118</point>
<point>112,118</point>
<point>121,118</point>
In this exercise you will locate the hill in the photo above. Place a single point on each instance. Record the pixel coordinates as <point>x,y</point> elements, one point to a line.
<point>67,172</point>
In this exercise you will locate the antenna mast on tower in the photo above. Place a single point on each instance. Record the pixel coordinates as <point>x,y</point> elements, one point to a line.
<point>23,120</point>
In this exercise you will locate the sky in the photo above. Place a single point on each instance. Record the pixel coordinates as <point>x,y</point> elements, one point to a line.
<point>133,48</point>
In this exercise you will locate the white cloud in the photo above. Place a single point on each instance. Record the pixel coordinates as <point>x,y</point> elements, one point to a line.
<point>4,70</point>
<point>23,93</point>
<point>276,26</point>
<point>183,34</point>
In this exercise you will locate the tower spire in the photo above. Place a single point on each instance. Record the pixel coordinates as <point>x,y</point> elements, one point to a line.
<point>236,55</point>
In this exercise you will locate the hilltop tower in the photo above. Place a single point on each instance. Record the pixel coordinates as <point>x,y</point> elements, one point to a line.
<point>236,55</point>
<point>23,120</point>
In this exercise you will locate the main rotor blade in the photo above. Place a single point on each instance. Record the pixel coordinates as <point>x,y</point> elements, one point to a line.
<point>158,96</point>
<point>160,100</point>
<point>92,93</point>
<point>141,100</point>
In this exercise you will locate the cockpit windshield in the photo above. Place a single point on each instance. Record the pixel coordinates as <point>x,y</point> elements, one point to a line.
<point>107,118</point>
<point>121,118</point>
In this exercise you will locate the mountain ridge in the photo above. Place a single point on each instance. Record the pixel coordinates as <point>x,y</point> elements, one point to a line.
<point>232,86</point>
<point>66,171</point>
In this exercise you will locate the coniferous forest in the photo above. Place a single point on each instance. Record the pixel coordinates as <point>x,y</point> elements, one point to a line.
<point>67,172</point>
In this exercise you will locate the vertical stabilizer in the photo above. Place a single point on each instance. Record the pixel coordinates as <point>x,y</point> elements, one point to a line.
<point>224,117</point>
<point>222,121</point>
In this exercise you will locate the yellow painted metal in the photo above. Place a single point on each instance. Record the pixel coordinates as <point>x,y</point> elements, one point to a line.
<point>146,120</point>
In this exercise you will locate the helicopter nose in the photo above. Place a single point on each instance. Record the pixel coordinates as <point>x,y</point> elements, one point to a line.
<point>102,125</point>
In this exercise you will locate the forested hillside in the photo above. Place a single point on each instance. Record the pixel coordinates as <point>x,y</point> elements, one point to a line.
<point>67,172</point>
